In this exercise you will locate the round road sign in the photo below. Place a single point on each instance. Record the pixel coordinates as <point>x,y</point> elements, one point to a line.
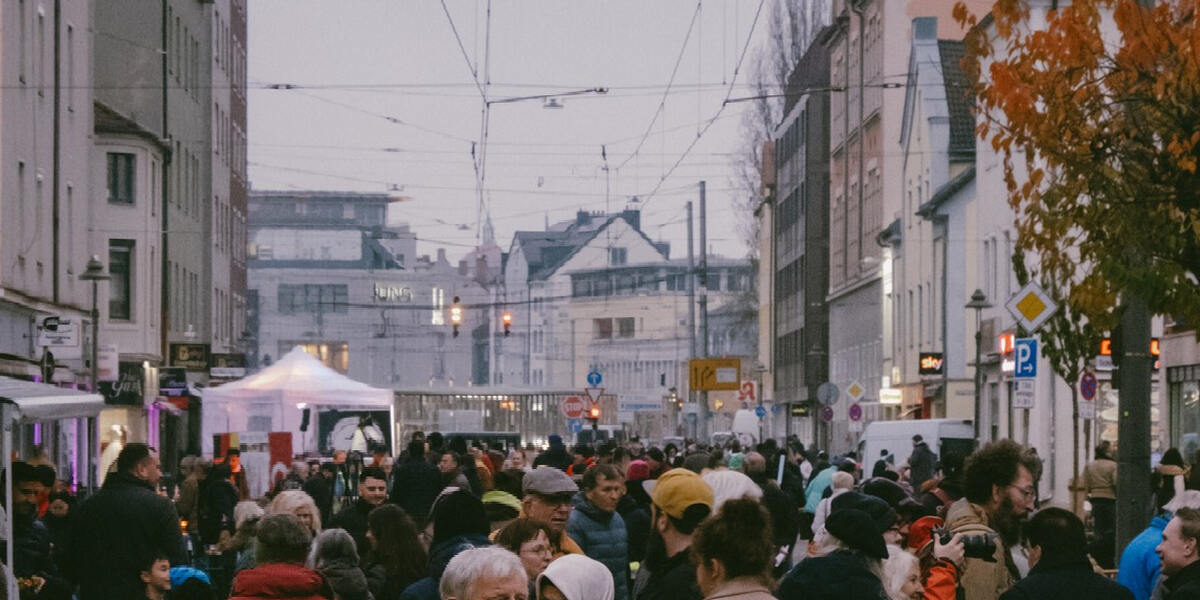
<point>855,412</point>
<point>1087,386</point>
<point>827,393</point>
<point>827,414</point>
<point>572,407</point>
<point>594,379</point>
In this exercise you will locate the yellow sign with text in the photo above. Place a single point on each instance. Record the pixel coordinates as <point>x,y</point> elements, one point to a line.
<point>715,374</point>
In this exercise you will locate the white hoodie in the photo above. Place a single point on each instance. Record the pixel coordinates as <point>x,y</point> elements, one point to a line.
<point>579,578</point>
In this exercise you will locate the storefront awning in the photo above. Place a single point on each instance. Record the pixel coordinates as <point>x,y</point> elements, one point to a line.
<point>41,402</point>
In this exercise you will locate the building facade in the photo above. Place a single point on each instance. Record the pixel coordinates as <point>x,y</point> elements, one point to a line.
<point>929,280</point>
<point>799,258</point>
<point>630,324</point>
<point>327,273</point>
<point>537,284</point>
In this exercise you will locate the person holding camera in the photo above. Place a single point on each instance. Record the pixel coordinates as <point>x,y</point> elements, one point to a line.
<point>1059,565</point>
<point>998,482</point>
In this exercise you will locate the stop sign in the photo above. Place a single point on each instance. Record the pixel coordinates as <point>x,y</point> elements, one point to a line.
<point>572,407</point>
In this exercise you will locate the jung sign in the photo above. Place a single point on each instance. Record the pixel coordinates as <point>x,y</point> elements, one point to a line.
<point>388,292</point>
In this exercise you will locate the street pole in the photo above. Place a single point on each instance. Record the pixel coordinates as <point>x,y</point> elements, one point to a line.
<point>95,274</point>
<point>703,429</point>
<point>691,300</point>
<point>1133,425</point>
<point>978,303</point>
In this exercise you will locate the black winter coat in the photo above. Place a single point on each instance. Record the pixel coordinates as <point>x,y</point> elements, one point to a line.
<point>922,464</point>
<point>557,457</point>
<point>637,525</point>
<point>1184,585</point>
<point>320,488</point>
<point>415,485</point>
<point>215,504</point>
<point>1066,580</point>
<point>673,580</point>
<point>353,519</point>
<point>113,532</point>
<point>840,575</point>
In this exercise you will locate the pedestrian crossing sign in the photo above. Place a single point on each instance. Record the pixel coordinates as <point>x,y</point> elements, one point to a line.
<point>1031,307</point>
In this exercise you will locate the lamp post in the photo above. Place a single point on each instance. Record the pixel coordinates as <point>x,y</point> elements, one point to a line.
<point>95,274</point>
<point>978,303</point>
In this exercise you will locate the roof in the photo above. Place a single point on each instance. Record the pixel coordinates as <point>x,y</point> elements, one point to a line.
<point>322,195</point>
<point>107,120</point>
<point>958,99</point>
<point>546,251</point>
<point>298,376</point>
<point>947,191</point>
<point>40,401</point>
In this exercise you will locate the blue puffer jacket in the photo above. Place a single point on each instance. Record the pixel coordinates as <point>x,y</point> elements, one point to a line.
<point>603,537</point>
<point>1140,565</point>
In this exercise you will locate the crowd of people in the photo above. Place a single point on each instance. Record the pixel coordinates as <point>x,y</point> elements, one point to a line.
<point>445,521</point>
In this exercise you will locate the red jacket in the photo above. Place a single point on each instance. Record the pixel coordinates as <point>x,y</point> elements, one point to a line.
<point>941,582</point>
<point>281,581</point>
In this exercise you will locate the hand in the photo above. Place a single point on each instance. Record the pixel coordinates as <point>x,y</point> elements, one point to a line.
<point>953,552</point>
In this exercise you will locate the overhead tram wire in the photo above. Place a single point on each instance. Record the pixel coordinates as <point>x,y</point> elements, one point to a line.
<point>662,104</point>
<point>749,37</point>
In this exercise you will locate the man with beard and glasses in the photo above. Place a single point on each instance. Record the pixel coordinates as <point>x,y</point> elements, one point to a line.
<point>998,482</point>
<point>680,501</point>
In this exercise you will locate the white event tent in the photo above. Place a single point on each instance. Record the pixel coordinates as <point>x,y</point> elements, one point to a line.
<point>276,396</point>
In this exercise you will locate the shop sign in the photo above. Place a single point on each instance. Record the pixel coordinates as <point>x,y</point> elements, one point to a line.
<point>931,363</point>
<point>228,366</point>
<point>129,388</point>
<point>193,357</point>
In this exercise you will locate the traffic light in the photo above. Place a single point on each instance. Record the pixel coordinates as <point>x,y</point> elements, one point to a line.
<point>456,315</point>
<point>506,318</point>
<point>594,413</point>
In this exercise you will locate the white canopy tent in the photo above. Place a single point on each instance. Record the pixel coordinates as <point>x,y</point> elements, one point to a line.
<point>24,402</point>
<point>274,398</point>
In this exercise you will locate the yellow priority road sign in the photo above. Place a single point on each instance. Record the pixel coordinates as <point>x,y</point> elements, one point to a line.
<point>1031,306</point>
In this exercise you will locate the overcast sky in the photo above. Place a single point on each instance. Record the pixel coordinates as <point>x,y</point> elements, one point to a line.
<point>361,61</point>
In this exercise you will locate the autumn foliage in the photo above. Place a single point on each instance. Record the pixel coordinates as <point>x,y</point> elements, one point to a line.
<point>1094,109</point>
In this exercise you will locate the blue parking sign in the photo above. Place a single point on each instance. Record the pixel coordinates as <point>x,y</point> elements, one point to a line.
<point>1026,350</point>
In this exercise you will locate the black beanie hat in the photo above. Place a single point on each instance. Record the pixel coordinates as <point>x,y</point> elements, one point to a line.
<point>855,529</point>
<point>878,511</point>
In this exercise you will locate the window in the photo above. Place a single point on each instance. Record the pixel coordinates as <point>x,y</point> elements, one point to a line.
<point>625,285</point>
<point>602,329</point>
<point>120,178</point>
<point>581,288</point>
<point>313,298</point>
<point>120,286</point>
<point>618,256</point>
<point>677,282</point>
<point>625,327</point>
<point>71,68</point>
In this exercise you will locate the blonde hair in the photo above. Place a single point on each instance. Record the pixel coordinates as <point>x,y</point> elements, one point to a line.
<point>246,510</point>
<point>289,501</point>
<point>842,481</point>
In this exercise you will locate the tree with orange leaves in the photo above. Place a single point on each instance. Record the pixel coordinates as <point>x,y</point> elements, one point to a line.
<point>1096,116</point>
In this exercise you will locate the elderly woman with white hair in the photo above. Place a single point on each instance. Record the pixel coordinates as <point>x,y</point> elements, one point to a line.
<point>842,483</point>
<point>486,574</point>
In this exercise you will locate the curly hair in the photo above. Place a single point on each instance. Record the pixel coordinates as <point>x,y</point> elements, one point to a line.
<point>739,537</point>
<point>397,544</point>
<point>996,464</point>
<point>289,501</point>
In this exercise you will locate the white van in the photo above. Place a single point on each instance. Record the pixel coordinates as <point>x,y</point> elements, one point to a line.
<point>951,439</point>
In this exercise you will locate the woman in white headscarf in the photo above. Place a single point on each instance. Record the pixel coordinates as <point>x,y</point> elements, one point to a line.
<point>575,577</point>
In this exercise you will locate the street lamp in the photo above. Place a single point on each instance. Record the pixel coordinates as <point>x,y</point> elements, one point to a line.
<point>978,302</point>
<point>95,273</point>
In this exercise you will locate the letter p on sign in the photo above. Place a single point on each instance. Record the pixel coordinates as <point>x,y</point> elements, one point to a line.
<point>1027,357</point>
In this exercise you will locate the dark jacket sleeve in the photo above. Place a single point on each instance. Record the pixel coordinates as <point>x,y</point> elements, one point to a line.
<point>171,538</point>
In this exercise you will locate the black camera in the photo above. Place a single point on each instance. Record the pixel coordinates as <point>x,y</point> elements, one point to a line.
<point>981,545</point>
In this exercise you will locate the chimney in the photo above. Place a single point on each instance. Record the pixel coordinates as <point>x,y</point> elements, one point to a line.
<point>462,267</point>
<point>924,28</point>
<point>441,257</point>
<point>582,218</point>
